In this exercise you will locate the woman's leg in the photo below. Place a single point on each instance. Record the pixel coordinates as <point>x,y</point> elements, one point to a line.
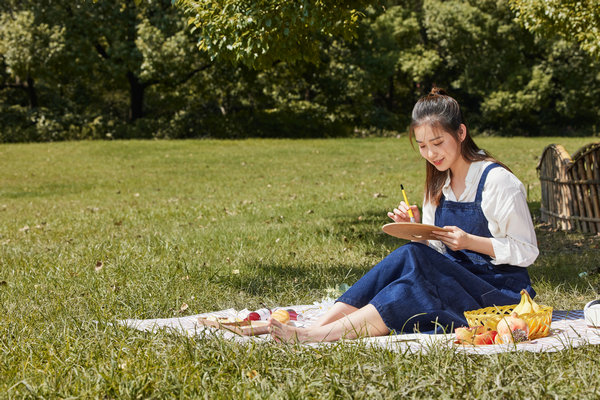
<point>339,310</point>
<point>377,278</point>
<point>361,323</point>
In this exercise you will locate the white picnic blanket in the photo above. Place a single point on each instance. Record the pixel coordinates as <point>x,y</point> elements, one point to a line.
<point>568,330</point>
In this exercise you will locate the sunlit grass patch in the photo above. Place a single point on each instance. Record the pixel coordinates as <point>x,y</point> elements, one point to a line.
<point>100,231</point>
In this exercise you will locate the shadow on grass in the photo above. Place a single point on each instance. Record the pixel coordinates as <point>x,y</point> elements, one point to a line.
<point>281,279</point>
<point>365,227</point>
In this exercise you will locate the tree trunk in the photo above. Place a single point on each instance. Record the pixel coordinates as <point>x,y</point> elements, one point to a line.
<point>31,93</point>
<point>136,97</point>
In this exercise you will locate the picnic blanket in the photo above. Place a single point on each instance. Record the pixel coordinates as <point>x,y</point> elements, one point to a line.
<point>568,330</point>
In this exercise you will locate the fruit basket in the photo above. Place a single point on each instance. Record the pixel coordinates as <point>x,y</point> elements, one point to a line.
<point>538,322</point>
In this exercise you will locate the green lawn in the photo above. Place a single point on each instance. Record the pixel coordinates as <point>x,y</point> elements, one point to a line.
<point>100,231</point>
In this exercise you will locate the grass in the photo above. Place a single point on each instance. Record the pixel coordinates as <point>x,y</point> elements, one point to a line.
<point>100,231</point>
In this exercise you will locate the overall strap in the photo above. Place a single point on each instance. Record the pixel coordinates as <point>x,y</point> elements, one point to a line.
<point>482,180</point>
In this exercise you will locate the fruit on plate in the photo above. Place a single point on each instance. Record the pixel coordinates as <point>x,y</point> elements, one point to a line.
<point>527,305</point>
<point>253,316</point>
<point>512,329</point>
<point>477,336</point>
<point>281,315</point>
<point>293,314</point>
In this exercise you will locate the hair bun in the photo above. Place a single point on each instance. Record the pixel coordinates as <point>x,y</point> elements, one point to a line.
<point>437,91</point>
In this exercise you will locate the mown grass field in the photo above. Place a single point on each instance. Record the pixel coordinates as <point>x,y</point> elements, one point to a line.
<point>101,231</point>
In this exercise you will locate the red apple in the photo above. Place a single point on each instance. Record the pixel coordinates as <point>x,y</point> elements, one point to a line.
<point>253,316</point>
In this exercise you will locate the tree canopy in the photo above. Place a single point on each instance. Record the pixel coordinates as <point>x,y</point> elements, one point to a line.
<point>575,20</point>
<point>137,68</point>
<point>259,33</point>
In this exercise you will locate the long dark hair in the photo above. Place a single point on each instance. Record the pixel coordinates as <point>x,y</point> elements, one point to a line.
<point>440,111</point>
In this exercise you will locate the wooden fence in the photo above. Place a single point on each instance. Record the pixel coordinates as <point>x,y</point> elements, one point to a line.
<point>571,187</point>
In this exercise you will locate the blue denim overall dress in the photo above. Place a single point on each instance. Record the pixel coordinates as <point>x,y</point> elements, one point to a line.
<point>417,288</point>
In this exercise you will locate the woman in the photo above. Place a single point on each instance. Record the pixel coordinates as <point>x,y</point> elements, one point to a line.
<point>478,263</point>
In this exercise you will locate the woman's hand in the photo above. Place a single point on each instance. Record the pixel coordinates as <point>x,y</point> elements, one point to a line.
<point>455,239</point>
<point>400,214</point>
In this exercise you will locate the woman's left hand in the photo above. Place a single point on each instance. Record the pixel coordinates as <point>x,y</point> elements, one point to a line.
<point>455,239</point>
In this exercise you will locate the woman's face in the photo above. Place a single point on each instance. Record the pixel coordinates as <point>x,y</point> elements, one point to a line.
<point>439,147</point>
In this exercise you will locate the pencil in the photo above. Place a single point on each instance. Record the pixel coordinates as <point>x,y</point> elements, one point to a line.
<point>410,213</point>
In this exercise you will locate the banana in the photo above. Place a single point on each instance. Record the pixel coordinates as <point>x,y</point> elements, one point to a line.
<point>536,307</point>
<point>527,305</point>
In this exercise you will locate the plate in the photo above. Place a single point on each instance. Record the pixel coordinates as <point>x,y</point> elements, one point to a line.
<point>412,230</point>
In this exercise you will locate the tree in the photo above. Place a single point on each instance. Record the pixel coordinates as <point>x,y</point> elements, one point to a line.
<point>142,43</point>
<point>259,33</point>
<point>575,20</point>
<point>28,49</point>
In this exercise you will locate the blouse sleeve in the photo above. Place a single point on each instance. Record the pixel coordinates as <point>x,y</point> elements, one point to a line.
<point>504,204</point>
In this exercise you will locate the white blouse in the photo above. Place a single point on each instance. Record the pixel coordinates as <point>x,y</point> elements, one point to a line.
<point>504,204</point>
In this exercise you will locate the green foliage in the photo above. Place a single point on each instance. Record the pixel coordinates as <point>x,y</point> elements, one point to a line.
<point>260,33</point>
<point>577,21</point>
<point>27,47</point>
<point>132,69</point>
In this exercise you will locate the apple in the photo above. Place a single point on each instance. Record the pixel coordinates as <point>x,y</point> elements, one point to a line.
<point>253,316</point>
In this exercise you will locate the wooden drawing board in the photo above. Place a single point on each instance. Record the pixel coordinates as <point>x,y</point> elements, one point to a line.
<point>246,328</point>
<point>411,230</point>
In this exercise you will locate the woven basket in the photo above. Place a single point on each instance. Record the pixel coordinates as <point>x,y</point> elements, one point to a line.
<point>538,323</point>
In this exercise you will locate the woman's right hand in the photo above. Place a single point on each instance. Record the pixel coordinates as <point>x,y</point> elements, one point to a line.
<point>400,214</point>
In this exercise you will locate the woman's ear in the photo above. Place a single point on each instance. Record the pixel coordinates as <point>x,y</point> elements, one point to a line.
<point>462,134</point>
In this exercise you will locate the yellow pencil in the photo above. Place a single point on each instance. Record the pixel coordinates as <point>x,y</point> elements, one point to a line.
<point>410,213</point>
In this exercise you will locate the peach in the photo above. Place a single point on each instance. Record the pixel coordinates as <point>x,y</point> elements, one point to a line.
<point>467,335</point>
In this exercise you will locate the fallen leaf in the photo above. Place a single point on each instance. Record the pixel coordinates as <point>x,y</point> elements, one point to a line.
<point>252,374</point>
<point>310,212</point>
<point>99,266</point>
<point>378,195</point>
<point>183,307</point>
<point>24,229</point>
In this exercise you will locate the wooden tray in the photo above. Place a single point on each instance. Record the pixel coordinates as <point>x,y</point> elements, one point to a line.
<point>245,328</point>
<point>412,230</point>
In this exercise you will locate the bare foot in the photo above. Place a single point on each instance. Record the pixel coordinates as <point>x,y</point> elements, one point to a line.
<point>287,333</point>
